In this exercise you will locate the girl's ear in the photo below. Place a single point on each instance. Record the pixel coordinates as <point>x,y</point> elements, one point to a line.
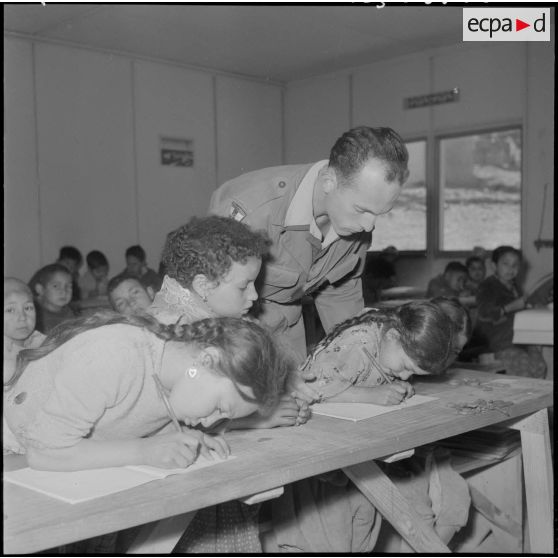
<point>201,285</point>
<point>209,357</point>
<point>150,292</point>
<point>39,289</point>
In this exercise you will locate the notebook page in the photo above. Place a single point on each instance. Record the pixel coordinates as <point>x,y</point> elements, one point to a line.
<point>361,411</point>
<point>80,486</point>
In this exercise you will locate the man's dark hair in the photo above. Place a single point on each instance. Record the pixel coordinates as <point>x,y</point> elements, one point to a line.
<point>70,253</point>
<point>136,251</point>
<point>359,145</point>
<point>455,267</point>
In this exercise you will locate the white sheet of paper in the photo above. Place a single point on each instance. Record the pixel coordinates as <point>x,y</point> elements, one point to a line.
<point>361,411</point>
<point>79,486</point>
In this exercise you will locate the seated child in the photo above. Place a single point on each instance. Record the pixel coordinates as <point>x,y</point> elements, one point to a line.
<point>19,333</point>
<point>136,266</point>
<point>498,298</point>
<point>88,397</point>
<point>71,258</point>
<point>52,287</point>
<point>461,321</point>
<point>476,272</point>
<point>370,357</point>
<point>211,266</point>
<point>93,283</point>
<point>128,295</point>
<point>450,283</point>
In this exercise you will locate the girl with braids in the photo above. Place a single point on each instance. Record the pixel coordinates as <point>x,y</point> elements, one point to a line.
<point>88,397</point>
<point>370,357</point>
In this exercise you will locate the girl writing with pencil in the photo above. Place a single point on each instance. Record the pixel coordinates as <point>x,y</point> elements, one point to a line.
<point>370,357</point>
<point>102,391</point>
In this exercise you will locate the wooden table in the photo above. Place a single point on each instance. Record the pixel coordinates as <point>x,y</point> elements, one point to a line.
<point>267,459</point>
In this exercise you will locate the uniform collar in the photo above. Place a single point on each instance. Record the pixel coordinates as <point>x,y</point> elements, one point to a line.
<point>300,211</point>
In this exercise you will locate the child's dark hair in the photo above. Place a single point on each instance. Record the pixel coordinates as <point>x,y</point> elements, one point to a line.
<point>209,246</point>
<point>44,275</point>
<point>119,279</point>
<point>472,259</point>
<point>136,251</point>
<point>247,353</point>
<point>425,331</point>
<point>455,267</point>
<point>497,253</point>
<point>456,312</point>
<point>361,144</point>
<point>70,253</point>
<point>96,259</point>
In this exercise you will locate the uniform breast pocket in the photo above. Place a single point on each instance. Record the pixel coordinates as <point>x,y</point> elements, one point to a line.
<point>280,284</point>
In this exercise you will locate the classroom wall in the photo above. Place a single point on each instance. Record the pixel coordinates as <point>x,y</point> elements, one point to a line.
<point>82,148</point>
<point>500,83</point>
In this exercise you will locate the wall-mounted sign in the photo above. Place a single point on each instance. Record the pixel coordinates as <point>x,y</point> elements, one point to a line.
<point>177,152</point>
<point>430,99</point>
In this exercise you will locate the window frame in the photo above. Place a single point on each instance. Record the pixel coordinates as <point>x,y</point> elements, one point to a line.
<point>436,208</point>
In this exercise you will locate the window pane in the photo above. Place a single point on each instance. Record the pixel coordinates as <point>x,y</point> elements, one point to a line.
<point>405,225</point>
<point>480,190</point>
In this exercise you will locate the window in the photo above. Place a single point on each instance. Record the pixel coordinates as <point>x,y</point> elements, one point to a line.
<point>480,190</point>
<point>405,225</point>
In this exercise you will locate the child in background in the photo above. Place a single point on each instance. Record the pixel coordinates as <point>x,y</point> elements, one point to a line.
<point>88,397</point>
<point>128,295</point>
<point>19,333</point>
<point>461,321</point>
<point>136,266</point>
<point>369,358</point>
<point>71,258</point>
<point>476,272</point>
<point>498,298</point>
<point>52,287</point>
<point>451,283</point>
<point>93,283</point>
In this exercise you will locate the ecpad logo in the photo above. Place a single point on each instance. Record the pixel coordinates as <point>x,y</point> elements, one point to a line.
<point>506,24</point>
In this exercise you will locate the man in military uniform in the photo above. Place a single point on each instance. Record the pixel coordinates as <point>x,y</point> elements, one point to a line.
<point>319,218</point>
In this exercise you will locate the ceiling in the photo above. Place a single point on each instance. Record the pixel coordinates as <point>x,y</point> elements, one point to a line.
<point>277,42</point>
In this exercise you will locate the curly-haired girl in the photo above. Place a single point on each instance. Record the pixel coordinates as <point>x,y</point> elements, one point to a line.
<point>211,265</point>
<point>88,397</point>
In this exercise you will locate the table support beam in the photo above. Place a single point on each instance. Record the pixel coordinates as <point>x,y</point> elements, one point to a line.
<point>389,501</point>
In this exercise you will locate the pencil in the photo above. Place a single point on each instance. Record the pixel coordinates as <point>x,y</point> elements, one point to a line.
<point>384,376</point>
<point>164,397</point>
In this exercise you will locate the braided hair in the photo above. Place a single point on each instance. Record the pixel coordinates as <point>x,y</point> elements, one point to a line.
<point>425,332</point>
<point>247,354</point>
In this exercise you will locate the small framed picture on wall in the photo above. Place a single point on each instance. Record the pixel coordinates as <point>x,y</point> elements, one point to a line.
<point>176,152</point>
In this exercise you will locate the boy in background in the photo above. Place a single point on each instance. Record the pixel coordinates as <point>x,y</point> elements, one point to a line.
<point>52,287</point>
<point>93,283</point>
<point>71,258</point>
<point>136,267</point>
<point>128,296</point>
<point>451,283</point>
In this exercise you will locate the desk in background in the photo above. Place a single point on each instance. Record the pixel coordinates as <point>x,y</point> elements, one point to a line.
<point>534,327</point>
<point>268,459</point>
